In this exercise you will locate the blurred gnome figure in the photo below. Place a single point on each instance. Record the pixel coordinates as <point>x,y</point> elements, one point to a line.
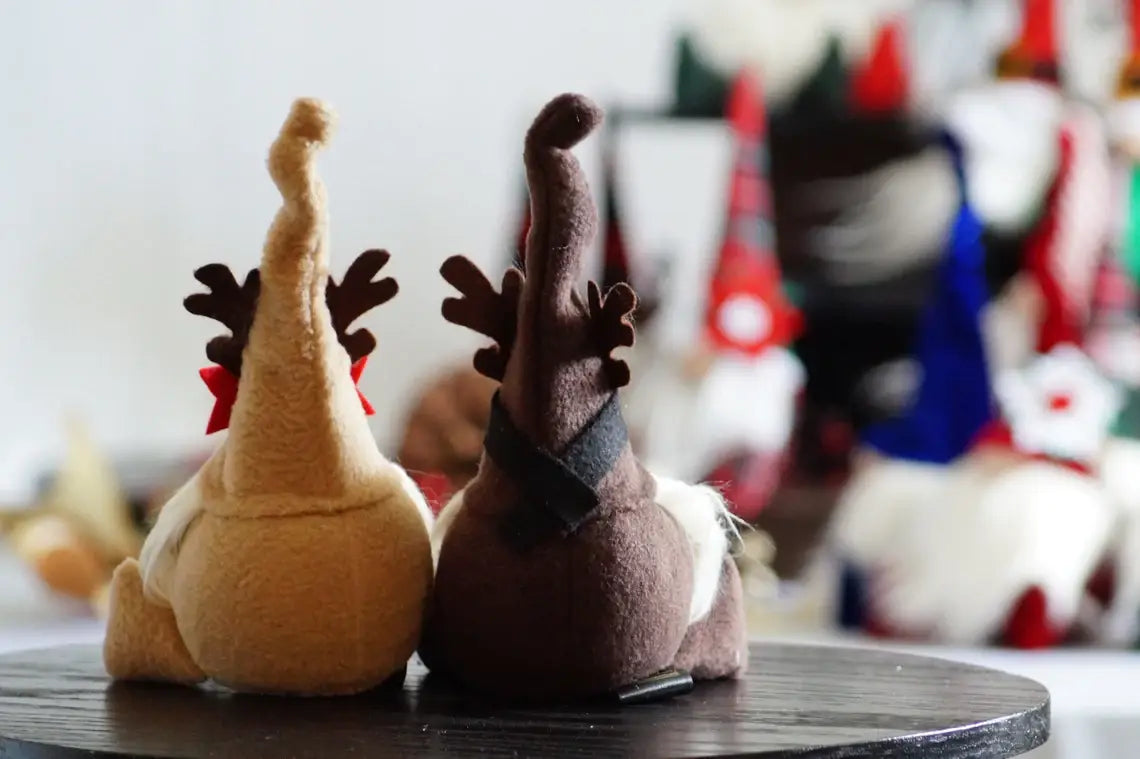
<point>793,48</point>
<point>1008,550</point>
<point>727,415</point>
<point>1119,349</point>
<point>904,464</point>
<point>80,528</point>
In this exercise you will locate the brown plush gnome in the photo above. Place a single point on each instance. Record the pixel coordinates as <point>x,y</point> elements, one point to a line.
<point>297,559</point>
<point>565,569</point>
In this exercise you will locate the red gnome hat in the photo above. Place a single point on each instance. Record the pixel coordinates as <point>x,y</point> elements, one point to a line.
<point>1062,316</point>
<point>747,311</point>
<point>1034,54</point>
<point>882,84</point>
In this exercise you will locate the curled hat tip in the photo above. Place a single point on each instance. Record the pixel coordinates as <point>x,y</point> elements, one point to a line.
<point>564,121</point>
<point>310,119</point>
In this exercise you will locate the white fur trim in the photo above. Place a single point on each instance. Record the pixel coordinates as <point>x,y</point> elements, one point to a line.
<point>878,504</point>
<point>964,565</point>
<point>413,492</point>
<point>703,517</point>
<point>443,522</point>
<point>160,550</point>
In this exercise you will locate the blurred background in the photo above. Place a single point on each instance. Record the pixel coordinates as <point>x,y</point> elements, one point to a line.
<point>885,249</point>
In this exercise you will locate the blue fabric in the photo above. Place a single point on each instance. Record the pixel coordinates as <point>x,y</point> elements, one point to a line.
<point>954,399</point>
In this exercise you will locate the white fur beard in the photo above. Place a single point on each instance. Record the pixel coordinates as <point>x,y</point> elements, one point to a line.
<point>879,504</point>
<point>966,562</point>
<point>743,404</point>
<point>1010,133</point>
<point>699,511</point>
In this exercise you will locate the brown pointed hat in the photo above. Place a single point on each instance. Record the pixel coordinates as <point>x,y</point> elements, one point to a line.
<point>562,571</point>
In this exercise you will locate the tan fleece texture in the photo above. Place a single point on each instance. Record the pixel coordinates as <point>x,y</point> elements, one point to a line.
<point>589,610</point>
<point>300,556</point>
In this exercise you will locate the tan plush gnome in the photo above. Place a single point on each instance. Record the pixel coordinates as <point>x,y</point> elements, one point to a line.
<point>565,569</point>
<point>297,559</point>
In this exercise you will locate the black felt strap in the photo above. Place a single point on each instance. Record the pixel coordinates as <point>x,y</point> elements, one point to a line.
<point>559,492</point>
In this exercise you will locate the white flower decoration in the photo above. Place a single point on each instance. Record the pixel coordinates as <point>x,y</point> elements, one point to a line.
<point>1059,405</point>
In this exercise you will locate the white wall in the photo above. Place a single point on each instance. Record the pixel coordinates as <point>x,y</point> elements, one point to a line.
<point>132,144</point>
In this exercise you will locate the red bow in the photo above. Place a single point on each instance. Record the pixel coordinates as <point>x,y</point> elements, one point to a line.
<point>224,387</point>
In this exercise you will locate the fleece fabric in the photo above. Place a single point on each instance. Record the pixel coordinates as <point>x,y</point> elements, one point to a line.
<point>297,559</point>
<point>603,601</point>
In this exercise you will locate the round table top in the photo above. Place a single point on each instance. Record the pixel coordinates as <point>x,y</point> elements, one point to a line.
<point>801,701</point>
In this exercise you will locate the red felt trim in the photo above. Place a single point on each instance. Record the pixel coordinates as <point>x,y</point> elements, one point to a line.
<point>355,372</point>
<point>224,387</point>
<point>881,84</point>
<point>1028,626</point>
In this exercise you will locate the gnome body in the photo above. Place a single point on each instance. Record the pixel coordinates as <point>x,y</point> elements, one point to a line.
<point>297,559</point>
<point>1006,551</point>
<point>724,409</point>
<point>906,460</point>
<point>565,569</point>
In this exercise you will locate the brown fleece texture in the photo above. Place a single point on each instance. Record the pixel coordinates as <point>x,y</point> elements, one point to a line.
<point>307,565</point>
<point>444,430</point>
<point>586,611</point>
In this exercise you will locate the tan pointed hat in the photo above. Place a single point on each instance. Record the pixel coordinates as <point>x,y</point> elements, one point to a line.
<point>297,559</point>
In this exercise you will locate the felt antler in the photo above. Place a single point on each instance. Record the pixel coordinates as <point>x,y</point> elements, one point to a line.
<point>232,305</point>
<point>610,321</point>
<point>481,309</point>
<point>355,296</point>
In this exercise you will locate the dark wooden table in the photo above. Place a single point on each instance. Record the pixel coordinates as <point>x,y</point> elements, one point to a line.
<point>796,701</point>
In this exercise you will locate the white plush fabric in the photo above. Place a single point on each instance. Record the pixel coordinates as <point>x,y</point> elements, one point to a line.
<point>963,566</point>
<point>878,505</point>
<point>160,550</point>
<point>704,518</point>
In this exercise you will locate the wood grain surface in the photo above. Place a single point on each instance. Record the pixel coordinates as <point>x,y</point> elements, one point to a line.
<point>797,701</point>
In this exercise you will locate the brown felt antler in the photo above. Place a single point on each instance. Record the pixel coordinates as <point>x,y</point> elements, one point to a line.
<point>610,321</point>
<point>232,305</point>
<point>357,294</point>
<point>490,313</point>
